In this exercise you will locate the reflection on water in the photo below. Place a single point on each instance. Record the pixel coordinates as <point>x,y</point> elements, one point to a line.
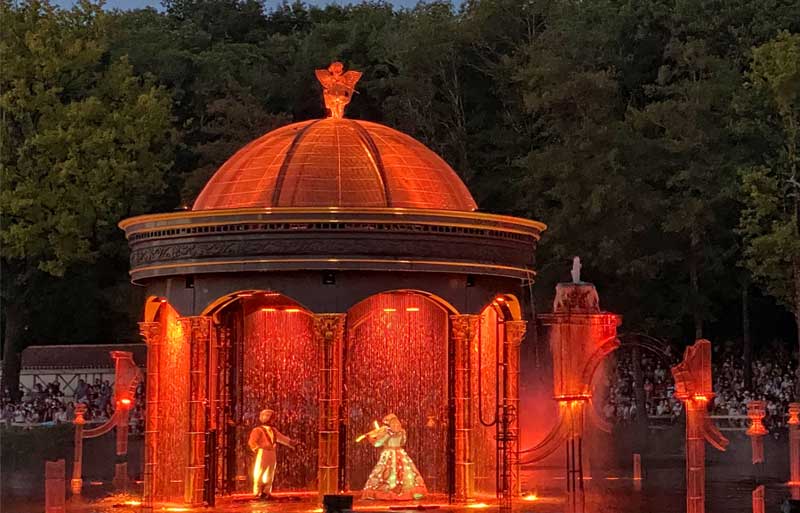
<point>663,491</point>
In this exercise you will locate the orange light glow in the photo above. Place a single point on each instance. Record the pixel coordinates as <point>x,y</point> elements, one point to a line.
<point>478,505</point>
<point>412,309</point>
<point>132,503</point>
<point>126,401</point>
<point>177,508</point>
<point>389,310</point>
<point>163,300</point>
<point>335,162</point>
<point>500,299</point>
<point>269,310</point>
<point>794,414</point>
<point>292,310</point>
<point>531,497</point>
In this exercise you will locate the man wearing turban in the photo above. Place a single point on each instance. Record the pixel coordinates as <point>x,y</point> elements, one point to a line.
<point>264,440</point>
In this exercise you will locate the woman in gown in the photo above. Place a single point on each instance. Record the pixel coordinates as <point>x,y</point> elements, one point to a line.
<point>395,477</point>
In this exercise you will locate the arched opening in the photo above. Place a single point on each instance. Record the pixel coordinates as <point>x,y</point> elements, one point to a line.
<point>167,410</point>
<point>633,378</point>
<point>397,361</point>
<point>487,384</point>
<point>267,359</point>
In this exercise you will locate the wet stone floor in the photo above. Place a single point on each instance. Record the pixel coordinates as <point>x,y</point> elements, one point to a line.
<point>662,491</point>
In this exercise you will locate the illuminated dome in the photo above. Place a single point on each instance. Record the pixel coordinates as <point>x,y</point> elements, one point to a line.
<point>335,162</point>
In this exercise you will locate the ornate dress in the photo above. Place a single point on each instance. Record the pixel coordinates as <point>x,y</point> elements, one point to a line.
<point>395,477</point>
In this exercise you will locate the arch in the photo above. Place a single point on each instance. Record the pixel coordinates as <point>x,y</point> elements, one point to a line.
<point>626,340</point>
<point>507,303</point>
<point>268,358</point>
<point>396,360</point>
<point>221,302</point>
<point>154,306</point>
<point>438,300</point>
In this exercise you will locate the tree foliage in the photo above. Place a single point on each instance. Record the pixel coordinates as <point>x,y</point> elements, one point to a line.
<point>653,137</point>
<point>85,143</point>
<point>770,220</point>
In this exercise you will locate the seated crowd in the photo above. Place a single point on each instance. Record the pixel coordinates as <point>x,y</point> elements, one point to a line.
<point>775,380</point>
<point>48,405</point>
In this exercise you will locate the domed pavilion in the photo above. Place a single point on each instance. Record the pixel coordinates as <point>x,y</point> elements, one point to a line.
<point>334,271</point>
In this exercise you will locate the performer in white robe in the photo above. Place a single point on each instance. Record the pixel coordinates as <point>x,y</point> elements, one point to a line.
<point>263,441</point>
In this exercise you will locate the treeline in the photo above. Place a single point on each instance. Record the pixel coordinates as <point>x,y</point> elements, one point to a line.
<point>658,139</point>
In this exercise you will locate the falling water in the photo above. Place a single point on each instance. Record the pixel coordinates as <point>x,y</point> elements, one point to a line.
<point>485,387</point>
<point>396,362</point>
<point>173,409</point>
<point>280,372</point>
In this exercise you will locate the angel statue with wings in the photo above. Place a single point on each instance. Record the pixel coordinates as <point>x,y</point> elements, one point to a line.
<point>337,87</point>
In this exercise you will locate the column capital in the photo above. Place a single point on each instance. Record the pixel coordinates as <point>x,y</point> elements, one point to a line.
<point>794,414</point>
<point>515,331</point>
<point>464,326</point>
<point>151,332</point>
<point>329,326</point>
<point>198,325</point>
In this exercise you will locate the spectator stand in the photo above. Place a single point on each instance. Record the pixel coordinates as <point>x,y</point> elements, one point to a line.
<point>66,365</point>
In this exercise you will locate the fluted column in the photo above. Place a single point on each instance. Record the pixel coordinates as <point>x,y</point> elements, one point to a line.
<point>197,331</point>
<point>515,332</point>
<point>463,329</point>
<point>329,332</point>
<point>152,334</point>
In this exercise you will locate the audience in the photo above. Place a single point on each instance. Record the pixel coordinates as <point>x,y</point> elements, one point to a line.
<point>47,405</point>
<point>775,380</point>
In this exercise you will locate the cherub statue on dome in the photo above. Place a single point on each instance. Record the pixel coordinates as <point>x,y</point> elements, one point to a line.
<point>395,477</point>
<point>337,87</point>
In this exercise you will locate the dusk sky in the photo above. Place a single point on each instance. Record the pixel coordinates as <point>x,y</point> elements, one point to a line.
<point>137,4</point>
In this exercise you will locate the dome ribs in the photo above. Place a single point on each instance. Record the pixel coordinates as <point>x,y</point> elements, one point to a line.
<point>276,194</point>
<point>374,155</point>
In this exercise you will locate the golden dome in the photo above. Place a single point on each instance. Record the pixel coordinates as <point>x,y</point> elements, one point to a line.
<point>335,162</point>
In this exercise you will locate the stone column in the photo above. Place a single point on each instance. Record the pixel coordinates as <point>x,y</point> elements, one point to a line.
<point>515,332</point>
<point>76,484</point>
<point>153,336</point>
<point>198,329</point>
<point>329,332</point>
<point>463,329</point>
<point>794,449</point>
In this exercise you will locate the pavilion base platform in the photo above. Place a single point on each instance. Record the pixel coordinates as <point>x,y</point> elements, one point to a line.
<point>308,502</point>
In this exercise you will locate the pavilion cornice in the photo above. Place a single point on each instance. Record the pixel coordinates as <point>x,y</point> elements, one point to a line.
<point>370,239</point>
